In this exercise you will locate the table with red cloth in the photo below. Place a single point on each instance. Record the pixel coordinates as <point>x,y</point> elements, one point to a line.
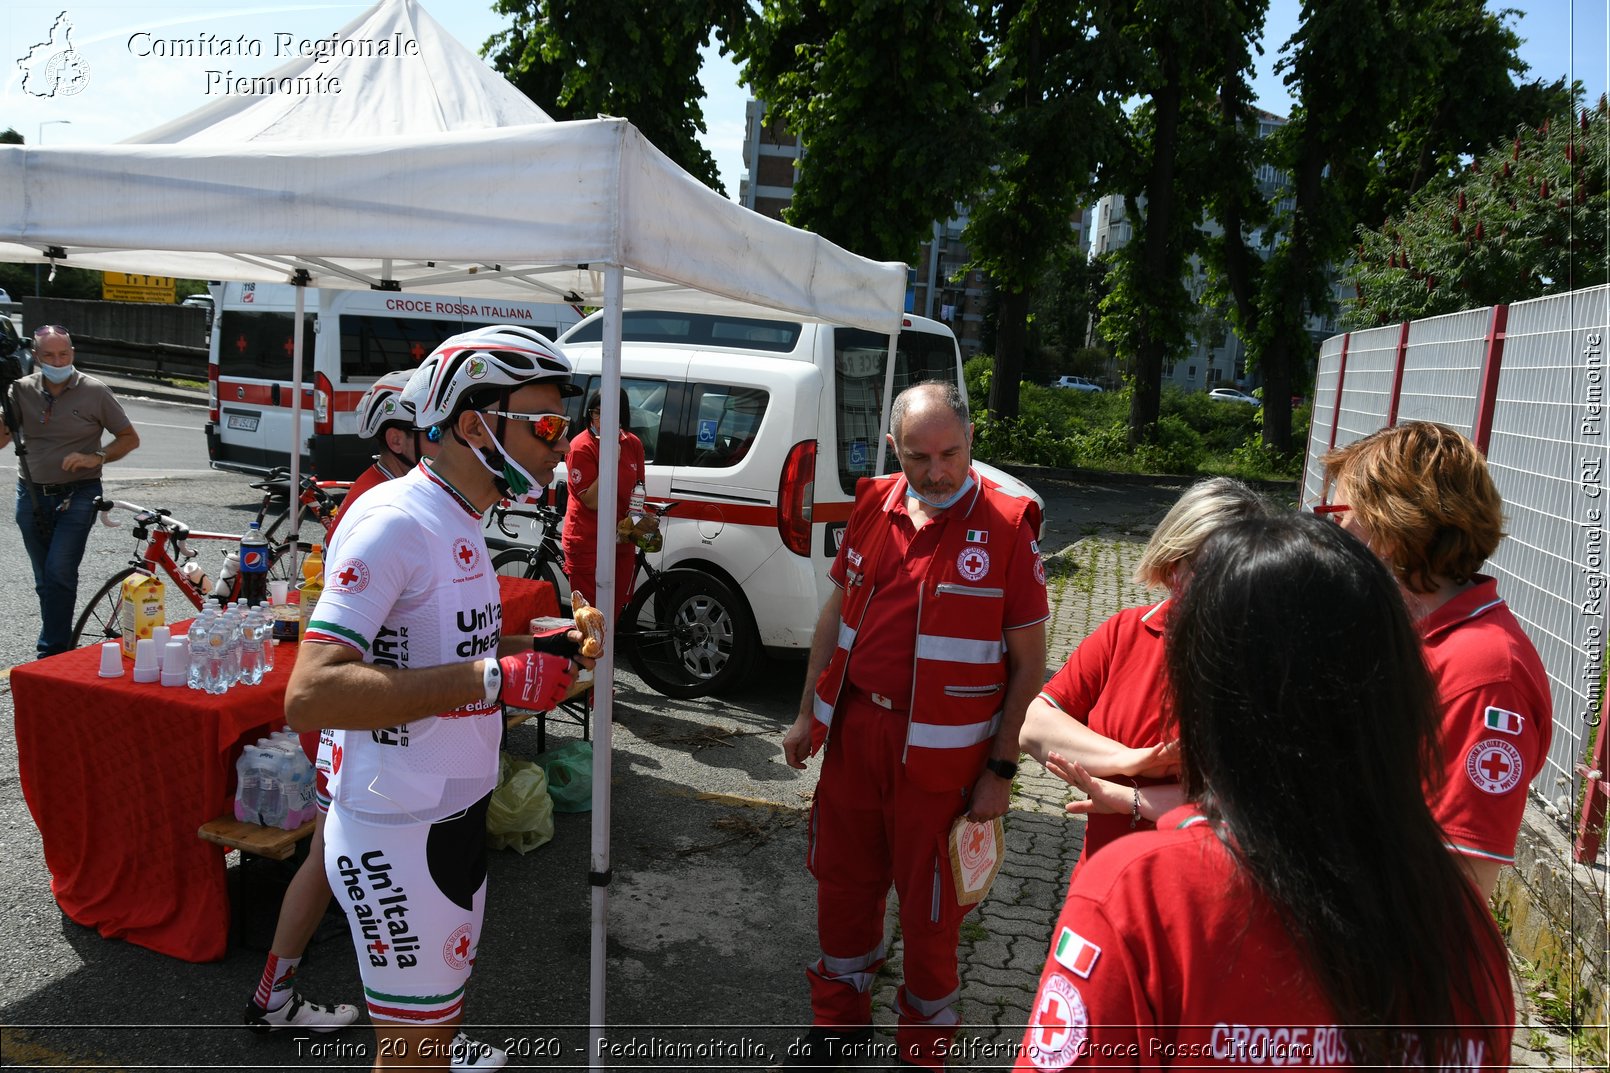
<point>120,775</point>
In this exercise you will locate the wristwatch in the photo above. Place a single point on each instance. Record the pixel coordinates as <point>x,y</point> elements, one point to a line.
<point>101,454</point>
<point>1004,768</point>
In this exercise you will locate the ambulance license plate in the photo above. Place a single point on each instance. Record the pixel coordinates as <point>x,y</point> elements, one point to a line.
<point>243,422</point>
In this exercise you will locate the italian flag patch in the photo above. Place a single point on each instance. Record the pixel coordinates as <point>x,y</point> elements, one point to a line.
<point>1075,953</point>
<point>978,536</point>
<point>1504,722</point>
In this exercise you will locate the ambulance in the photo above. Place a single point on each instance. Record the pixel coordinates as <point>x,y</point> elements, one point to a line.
<point>758,430</point>
<point>350,338</point>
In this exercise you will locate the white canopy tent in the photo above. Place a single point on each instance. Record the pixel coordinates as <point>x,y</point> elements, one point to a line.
<point>448,200</point>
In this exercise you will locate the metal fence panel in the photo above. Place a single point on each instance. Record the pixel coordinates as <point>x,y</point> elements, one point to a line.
<point>1372,357</point>
<point>1547,456</point>
<point>1442,369</point>
<point>1324,404</point>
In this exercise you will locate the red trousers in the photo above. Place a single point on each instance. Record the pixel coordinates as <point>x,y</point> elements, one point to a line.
<point>870,827</point>
<point>581,569</point>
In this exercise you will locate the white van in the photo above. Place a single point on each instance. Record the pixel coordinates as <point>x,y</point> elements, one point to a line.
<point>350,339</point>
<point>759,431</point>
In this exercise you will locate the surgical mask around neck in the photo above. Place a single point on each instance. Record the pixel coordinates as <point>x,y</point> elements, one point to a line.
<point>56,374</point>
<point>941,504</point>
<point>513,479</point>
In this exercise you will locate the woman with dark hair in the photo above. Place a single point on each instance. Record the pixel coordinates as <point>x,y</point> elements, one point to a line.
<point>580,541</point>
<point>1300,909</point>
<point>1420,496</point>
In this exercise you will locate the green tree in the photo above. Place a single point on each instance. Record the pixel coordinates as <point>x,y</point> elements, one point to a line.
<point>883,95</point>
<point>1050,71</point>
<point>9,136</point>
<point>610,57</point>
<point>1529,217</point>
<point>1163,174</point>
<point>1370,122</point>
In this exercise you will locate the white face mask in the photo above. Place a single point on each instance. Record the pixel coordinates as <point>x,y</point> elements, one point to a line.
<point>513,479</point>
<point>56,374</point>
<point>941,504</point>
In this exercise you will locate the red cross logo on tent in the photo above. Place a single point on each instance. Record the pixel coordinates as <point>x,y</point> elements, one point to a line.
<point>1495,766</point>
<point>1061,1024</point>
<point>465,555</point>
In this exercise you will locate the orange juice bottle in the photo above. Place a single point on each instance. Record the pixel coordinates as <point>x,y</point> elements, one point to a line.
<point>312,585</point>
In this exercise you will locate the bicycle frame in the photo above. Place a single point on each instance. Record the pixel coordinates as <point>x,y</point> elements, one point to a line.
<point>154,528</point>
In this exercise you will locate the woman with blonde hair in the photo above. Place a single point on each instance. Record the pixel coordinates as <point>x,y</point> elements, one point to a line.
<point>1102,713</point>
<point>1419,495</point>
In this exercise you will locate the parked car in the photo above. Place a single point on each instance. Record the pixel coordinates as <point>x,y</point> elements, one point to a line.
<point>5,297</point>
<point>1230,394</point>
<point>1077,383</point>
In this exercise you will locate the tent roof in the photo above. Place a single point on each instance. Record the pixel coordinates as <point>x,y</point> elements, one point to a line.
<point>438,177</point>
<point>435,84</point>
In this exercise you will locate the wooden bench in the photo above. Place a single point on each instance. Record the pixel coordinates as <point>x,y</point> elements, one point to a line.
<point>270,842</point>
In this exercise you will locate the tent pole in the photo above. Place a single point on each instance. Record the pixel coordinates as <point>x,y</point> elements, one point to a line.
<point>299,280</point>
<point>609,423</point>
<point>888,402</point>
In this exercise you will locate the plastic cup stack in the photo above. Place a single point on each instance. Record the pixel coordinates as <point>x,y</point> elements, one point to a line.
<point>111,659</point>
<point>161,635</point>
<point>146,668</point>
<point>176,663</point>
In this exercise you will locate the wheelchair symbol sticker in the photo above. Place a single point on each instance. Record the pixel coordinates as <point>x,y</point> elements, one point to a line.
<point>858,457</point>
<point>707,433</point>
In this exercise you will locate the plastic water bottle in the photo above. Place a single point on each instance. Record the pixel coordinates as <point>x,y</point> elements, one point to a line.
<point>265,638</point>
<point>302,791</point>
<point>226,578</point>
<point>270,788</point>
<point>247,785</point>
<point>215,675</point>
<point>198,647</point>
<point>254,566</point>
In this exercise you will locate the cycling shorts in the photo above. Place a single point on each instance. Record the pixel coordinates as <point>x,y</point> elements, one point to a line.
<point>414,895</point>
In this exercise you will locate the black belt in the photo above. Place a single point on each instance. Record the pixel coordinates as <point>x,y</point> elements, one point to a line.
<point>62,489</point>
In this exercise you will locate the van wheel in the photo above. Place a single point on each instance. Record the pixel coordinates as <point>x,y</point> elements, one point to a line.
<point>687,634</point>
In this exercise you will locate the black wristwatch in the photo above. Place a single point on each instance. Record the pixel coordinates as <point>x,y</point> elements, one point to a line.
<point>1004,768</point>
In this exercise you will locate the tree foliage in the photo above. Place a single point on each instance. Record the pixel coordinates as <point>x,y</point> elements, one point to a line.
<point>609,57</point>
<point>1528,217</point>
<point>883,95</point>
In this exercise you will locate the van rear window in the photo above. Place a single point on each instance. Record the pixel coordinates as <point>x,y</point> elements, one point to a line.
<point>258,346</point>
<point>695,329</point>
<point>860,358</point>
<point>372,346</point>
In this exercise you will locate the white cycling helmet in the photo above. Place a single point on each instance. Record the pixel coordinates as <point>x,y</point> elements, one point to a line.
<point>383,404</point>
<point>503,355</point>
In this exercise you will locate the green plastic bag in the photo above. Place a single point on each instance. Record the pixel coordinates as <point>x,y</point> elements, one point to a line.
<point>570,776</point>
<point>520,814</point>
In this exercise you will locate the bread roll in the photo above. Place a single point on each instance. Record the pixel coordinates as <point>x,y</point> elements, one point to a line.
<point>590,621</point>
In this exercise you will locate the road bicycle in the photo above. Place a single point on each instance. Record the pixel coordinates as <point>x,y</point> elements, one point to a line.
<point>162,542</point>
<point>317,503</point>
<point>539,556</point>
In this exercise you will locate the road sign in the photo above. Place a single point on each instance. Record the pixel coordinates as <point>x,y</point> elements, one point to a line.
<point>122,287</point>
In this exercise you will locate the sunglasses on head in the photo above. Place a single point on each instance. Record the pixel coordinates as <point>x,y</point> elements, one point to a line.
<point>49,329</point>
<point>549,428</point>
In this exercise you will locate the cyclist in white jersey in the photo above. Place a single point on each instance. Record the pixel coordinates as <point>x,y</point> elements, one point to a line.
<point>406,663</point>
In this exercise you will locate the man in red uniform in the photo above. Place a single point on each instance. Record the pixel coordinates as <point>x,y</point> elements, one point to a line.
<point>580,540</point>
<point>922,665</point>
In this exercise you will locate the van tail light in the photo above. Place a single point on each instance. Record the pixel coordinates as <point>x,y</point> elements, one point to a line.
<point>323,421</point>
<point>212,392</point>
<point>796,498</point>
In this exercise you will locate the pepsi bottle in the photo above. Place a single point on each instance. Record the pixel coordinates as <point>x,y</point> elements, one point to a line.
<point>254,566</point>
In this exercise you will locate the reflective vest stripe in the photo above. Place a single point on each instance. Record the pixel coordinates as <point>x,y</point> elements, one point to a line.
<point>840,966</point>
<point>959,649</point>
<point>846,635</point>
<point>938,736</point>
<point>822,710</point>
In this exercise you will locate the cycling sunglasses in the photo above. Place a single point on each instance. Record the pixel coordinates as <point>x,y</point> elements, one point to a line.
<point>549,428</point>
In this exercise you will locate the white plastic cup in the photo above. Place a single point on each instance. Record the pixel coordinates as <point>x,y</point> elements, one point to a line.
<point>160,636</point>
<point>279,592</point>
<point>111,659</point>
<point>146,668</point>
<point>176,663</point>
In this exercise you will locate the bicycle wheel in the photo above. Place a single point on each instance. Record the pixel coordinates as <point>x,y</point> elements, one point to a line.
<point>272,527</point>
<point>530,563</point>
<point>687,634</point>
<point>102,617</point>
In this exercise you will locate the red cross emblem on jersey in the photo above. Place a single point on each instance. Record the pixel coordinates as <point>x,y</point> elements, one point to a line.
<point>465,555</point>
<point>463,947</point>
<point>1494,766</point>
<point>350,575</point>
<point>347,576</point>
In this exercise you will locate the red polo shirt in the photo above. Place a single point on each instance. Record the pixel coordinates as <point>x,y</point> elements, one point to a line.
<point>1497,719</point>
<point>366,480</point>
<point>1163,956</point>
<point>1114,683</point>
<point>886,641</point>
<point>581,524</point>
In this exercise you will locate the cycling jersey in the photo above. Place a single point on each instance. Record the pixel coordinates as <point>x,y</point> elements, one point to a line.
<point>408,583</point>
